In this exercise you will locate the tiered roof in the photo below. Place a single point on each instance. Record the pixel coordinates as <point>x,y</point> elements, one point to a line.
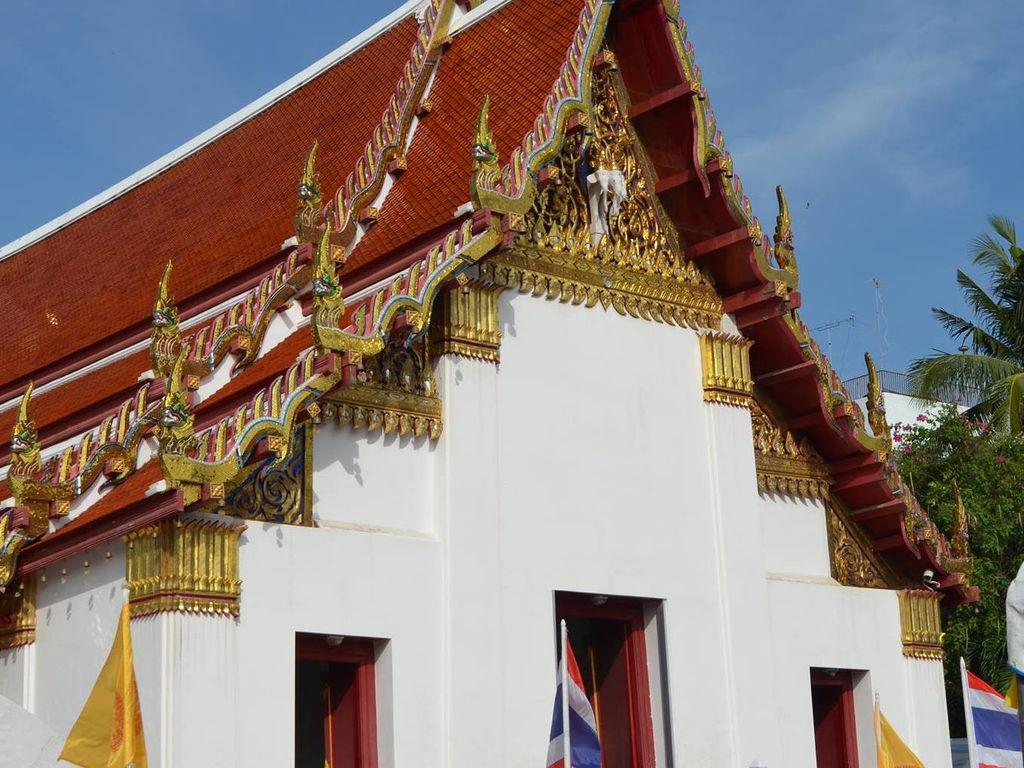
<point>384,212</point>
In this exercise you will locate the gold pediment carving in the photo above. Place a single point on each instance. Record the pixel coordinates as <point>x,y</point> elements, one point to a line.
<point>854,563</point>
<point>791,467</point>
<point>784,465</point>
<point>393,391</point>
<point>596,233</point>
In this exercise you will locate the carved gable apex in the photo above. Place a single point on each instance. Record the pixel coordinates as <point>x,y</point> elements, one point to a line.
<point>596,232</point>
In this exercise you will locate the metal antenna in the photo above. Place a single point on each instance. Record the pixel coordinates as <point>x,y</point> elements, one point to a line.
<point>881,322</point>
<point>829,327</point>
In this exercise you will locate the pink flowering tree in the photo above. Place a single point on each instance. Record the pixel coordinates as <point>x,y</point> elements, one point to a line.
<point>988,466</point>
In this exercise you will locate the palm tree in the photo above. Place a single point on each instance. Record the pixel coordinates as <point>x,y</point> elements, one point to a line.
<point>991,356</point>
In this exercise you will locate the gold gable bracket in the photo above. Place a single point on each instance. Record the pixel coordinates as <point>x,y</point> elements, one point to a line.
<point>18,615</point>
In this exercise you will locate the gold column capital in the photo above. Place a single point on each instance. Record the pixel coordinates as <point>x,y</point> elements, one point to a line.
<point>18,615</point>
<point>921,624</point>
<point>184,565</point>
<point>467,324</point>
<point>725,360</point>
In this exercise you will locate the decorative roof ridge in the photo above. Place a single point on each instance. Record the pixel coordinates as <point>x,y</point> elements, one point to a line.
<point>205,465</point>
<point>510,189</point>
<point>389,137</point>
<point>161,164</point>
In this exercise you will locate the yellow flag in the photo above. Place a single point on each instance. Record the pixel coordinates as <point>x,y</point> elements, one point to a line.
<point>892,752</point>
<point>108,733</point>
<point>1011,695</point>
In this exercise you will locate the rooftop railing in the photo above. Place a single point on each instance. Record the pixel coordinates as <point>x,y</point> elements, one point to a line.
<point>899,384</point>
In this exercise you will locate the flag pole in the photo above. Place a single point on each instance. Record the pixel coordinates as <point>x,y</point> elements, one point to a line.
<point>878,732</point>
<point>566,740</point>
<point>972,747</point>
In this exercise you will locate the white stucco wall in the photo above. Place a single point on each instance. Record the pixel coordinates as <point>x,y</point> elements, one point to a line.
<point>77,610</point>
<point>587,461</point>
<point>818,623</point>
<point>342,582</point>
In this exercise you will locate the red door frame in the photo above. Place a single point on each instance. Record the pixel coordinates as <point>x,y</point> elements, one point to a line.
<point>629,610</point>
<point>842,679</point>
<point>361,653</point>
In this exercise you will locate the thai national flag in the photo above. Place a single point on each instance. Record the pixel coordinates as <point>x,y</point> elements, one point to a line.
<point>581,740</point>
<point>993,728</point>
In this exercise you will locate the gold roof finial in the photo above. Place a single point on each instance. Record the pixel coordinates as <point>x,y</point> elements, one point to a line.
<point>164,343</point>
<point>960,544</point>
<point>485,150</point>
<point>876,403</point>
<point>176,431</point>
<point>328,302</point>
<point>165,313</point>
<point>785,253</point>
<point>309,187</point>
<point>310,198</point>
<point>25,439</point>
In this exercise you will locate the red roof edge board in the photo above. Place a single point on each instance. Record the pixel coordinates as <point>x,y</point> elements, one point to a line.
<point>704,198</point>
<point>72,540</point>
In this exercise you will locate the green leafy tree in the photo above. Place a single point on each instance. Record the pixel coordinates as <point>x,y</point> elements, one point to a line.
<point>988,467</point>
<point>991,358</point>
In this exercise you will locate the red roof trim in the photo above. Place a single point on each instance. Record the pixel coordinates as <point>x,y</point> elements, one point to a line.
<point>134,514</point>
<point>656,61</point>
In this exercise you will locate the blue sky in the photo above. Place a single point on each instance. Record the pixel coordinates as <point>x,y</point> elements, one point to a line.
<point>894,125</point>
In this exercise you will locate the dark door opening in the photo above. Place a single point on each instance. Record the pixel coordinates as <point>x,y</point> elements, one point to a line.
<point>835,730</point>
<point>335,707</point>
<point>608,641</point>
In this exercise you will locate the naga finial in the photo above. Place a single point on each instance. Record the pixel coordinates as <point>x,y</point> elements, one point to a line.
<point>785,253</point>
<point>175,430</point>
<point>485,149</point>
<point>25,439</point>
<point>876,402</point>
<point>164,343</point>
<point>960,544</point>
<point>165,313</point>
<point>309,187</point>
<point>310,198</point>
<point>328,302</point>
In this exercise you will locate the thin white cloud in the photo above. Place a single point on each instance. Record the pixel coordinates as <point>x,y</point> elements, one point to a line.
<point>879,104</point>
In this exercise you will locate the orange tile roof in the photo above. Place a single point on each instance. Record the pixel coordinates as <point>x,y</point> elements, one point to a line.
<point>217,212</point>
<point>118,498</point>
<point>92,395</point>
<point>514,55</point>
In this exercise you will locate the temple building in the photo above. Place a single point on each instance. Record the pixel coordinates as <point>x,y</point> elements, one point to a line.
<point>467,329</point>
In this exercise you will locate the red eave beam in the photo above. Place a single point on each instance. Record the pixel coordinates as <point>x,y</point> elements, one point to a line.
<point>131,517</point>
<point>667,96</point>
